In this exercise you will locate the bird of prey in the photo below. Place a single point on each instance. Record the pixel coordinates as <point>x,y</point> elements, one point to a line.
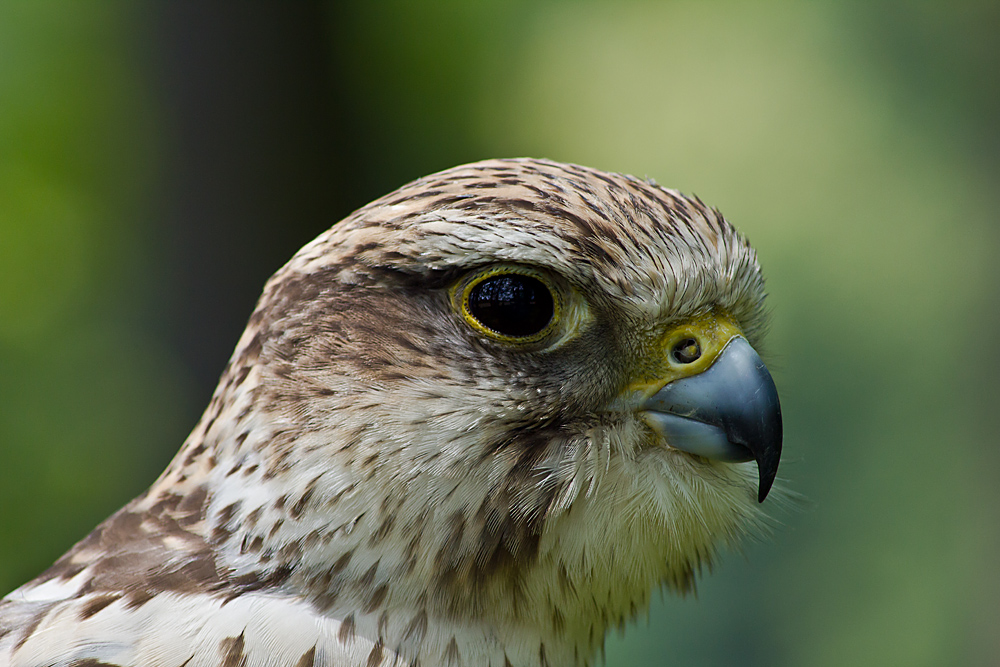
<point>475,423</point>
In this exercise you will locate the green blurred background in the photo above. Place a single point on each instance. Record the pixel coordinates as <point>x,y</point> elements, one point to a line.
<point>159,160</point>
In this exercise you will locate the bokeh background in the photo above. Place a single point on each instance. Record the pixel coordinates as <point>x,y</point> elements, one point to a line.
<point>159,160</point>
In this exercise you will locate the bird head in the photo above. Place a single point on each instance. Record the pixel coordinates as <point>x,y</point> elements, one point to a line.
<point>513,389</point>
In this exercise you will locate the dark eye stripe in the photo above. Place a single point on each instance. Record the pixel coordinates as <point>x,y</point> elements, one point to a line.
<point>512,305</point>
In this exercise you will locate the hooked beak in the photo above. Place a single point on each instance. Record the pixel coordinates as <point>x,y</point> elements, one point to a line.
<point>729,412</point>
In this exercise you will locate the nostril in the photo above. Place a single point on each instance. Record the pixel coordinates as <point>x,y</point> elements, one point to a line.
<point>686,351</point>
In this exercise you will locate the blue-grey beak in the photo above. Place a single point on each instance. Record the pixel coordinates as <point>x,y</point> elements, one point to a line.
<point>729,412</point>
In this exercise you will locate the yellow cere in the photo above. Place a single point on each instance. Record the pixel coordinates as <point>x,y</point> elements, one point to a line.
<point>712,330</point>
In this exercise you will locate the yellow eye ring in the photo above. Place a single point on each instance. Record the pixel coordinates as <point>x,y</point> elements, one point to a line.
<point>510,304</point>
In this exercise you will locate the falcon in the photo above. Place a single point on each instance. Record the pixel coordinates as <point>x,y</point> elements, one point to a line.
<point>475,423</point>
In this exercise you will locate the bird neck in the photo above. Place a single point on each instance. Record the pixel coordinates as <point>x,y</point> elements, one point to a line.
<point>419,559</point>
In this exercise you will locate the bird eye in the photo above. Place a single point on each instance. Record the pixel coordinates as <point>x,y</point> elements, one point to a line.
<point>686,351</point>
<point>510,304</point>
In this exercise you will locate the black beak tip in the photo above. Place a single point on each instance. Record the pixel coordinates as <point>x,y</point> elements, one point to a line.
<point>767,467</point>
<point>766,480</point>
<point>767,451</point>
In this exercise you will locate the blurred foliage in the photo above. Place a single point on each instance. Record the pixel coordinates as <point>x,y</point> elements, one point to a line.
<point>84,391</point>
<point>158,161</point>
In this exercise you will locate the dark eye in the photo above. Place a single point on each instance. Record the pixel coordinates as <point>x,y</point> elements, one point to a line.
<point>511,304</point>
<point>686,351</point>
